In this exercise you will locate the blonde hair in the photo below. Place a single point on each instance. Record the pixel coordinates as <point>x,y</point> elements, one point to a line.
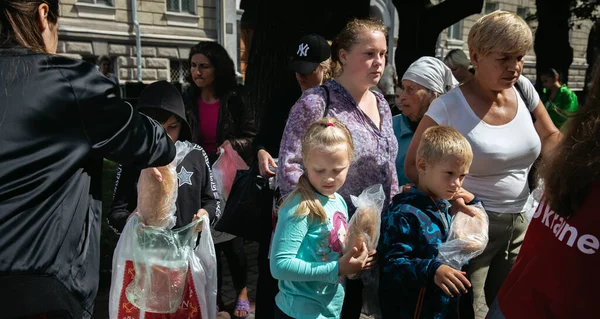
<point>327,70</point>
<point>440,141</point>
<point>500,31</point>
<point>349,36</point>
<point>457,58</point>
<point>327,134</point>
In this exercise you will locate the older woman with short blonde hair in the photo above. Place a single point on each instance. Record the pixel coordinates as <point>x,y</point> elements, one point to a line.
<point>506,137</point>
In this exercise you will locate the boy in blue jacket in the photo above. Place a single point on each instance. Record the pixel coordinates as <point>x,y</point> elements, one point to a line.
<point>413,284</point>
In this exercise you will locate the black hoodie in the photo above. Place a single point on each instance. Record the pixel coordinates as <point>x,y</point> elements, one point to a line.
<point>196,190</point>
<point>196,186</point>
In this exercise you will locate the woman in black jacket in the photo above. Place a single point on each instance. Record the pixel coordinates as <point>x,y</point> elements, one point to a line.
<point>218,117</point>
<point>58,118</point>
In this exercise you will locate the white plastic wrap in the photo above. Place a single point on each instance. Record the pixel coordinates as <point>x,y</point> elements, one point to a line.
<point>364,227</point>
<point>365,223</point>
<point>156,200</point>
<point>156,270</point>
<point>534,200</point>
<point>467,238</point>
<point>148,288</point>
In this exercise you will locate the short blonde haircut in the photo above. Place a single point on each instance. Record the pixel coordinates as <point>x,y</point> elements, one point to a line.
<point>440,141</point>
<point>500,31</point>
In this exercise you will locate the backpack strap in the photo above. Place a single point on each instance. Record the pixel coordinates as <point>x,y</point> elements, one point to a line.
<point>326,100</point>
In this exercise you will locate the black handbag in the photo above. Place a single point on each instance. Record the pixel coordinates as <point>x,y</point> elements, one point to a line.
<point>250,195</point>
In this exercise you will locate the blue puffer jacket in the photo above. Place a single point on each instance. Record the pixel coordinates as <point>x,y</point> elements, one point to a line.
<point>411,231</point>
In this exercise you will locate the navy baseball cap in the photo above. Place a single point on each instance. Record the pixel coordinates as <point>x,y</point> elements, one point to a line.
<point>310,52</point>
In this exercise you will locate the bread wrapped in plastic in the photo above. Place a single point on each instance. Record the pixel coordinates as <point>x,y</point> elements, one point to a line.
<point>364,227</point>
<point>156,199</point>
<point>467,238</point>
<point>365,223</point>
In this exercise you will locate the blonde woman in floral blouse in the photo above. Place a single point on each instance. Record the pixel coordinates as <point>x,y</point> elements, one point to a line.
<point>360,53</point>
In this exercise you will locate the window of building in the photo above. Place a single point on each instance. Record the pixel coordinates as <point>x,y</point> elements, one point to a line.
<point>523,12</point>
<point>182,6</point>
<point>179,70</point>
<point>104,2</point>
<point>455,31</point>
<point>491,7</point>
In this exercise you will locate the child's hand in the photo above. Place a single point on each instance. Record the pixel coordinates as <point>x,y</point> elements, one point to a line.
<point>451,280</point>
<point>201,212</point>
<point>464,194</point>
<point>459,205</point>
<point>349,264</point>
<point>371,260</point>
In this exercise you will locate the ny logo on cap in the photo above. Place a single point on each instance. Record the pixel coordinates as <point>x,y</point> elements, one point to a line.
<point>302,49</point>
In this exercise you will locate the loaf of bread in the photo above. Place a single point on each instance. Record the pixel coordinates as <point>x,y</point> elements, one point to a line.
<point>362,228</point>
<point>468,229</point>
<point>156,199</point>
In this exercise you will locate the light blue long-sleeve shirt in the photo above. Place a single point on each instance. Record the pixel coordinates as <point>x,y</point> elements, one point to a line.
<point>304,258</point>
<point>404,136</point>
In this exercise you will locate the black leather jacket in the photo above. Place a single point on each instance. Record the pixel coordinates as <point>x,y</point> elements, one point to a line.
<point>58,118</point>
<point>236,121</point>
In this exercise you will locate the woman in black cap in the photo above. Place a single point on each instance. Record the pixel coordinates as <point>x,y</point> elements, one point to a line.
<point>311,63</point>
<point>162,102</point>
<point>218,116</point>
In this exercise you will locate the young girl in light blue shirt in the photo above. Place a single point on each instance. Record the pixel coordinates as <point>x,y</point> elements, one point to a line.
<point>307,252</point>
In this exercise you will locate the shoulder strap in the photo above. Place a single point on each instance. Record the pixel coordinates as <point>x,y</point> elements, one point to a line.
<point>326,100</point>
<point>518,87</point>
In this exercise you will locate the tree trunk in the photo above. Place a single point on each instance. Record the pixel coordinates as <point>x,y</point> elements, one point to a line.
<point>269,83</point>
<point>421,24</point>
<point>552,48</point>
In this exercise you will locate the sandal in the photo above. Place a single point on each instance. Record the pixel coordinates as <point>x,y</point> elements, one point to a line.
<point>242,305</point>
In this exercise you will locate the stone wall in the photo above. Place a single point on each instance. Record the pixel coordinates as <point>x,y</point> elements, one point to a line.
<point>91,30</point>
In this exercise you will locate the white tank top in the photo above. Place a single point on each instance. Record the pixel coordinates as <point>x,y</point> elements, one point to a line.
<point>502,154</point>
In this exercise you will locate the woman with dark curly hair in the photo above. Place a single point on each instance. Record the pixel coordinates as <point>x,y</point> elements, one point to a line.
<point>218,116</point>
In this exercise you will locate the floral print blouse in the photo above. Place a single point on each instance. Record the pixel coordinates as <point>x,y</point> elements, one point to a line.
<point>375,148</point>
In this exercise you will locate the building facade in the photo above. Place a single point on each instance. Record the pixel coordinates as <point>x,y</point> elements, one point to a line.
<point>456,36</point>
<point>89,29</point>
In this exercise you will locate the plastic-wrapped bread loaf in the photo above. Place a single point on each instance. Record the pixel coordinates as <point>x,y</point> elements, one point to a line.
<point>466,229</point>
<point>156,200</point>
<point>467,238</point>
<point>363,228</point>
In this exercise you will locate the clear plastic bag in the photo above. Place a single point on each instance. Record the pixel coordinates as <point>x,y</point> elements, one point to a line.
<point>158,286</point>
<point>225,168</point>
<point>364,227</point>
<point>156,270</point>
<point>534,200</point>
<point>467,238</point>
<point>160,259</point>
<point>365,223</point>
<point>156,200</point>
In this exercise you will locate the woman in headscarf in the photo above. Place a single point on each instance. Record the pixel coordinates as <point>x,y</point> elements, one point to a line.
<point>424,80</point>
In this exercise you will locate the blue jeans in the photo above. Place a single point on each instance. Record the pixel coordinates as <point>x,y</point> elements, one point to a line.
<point>495,312</point>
